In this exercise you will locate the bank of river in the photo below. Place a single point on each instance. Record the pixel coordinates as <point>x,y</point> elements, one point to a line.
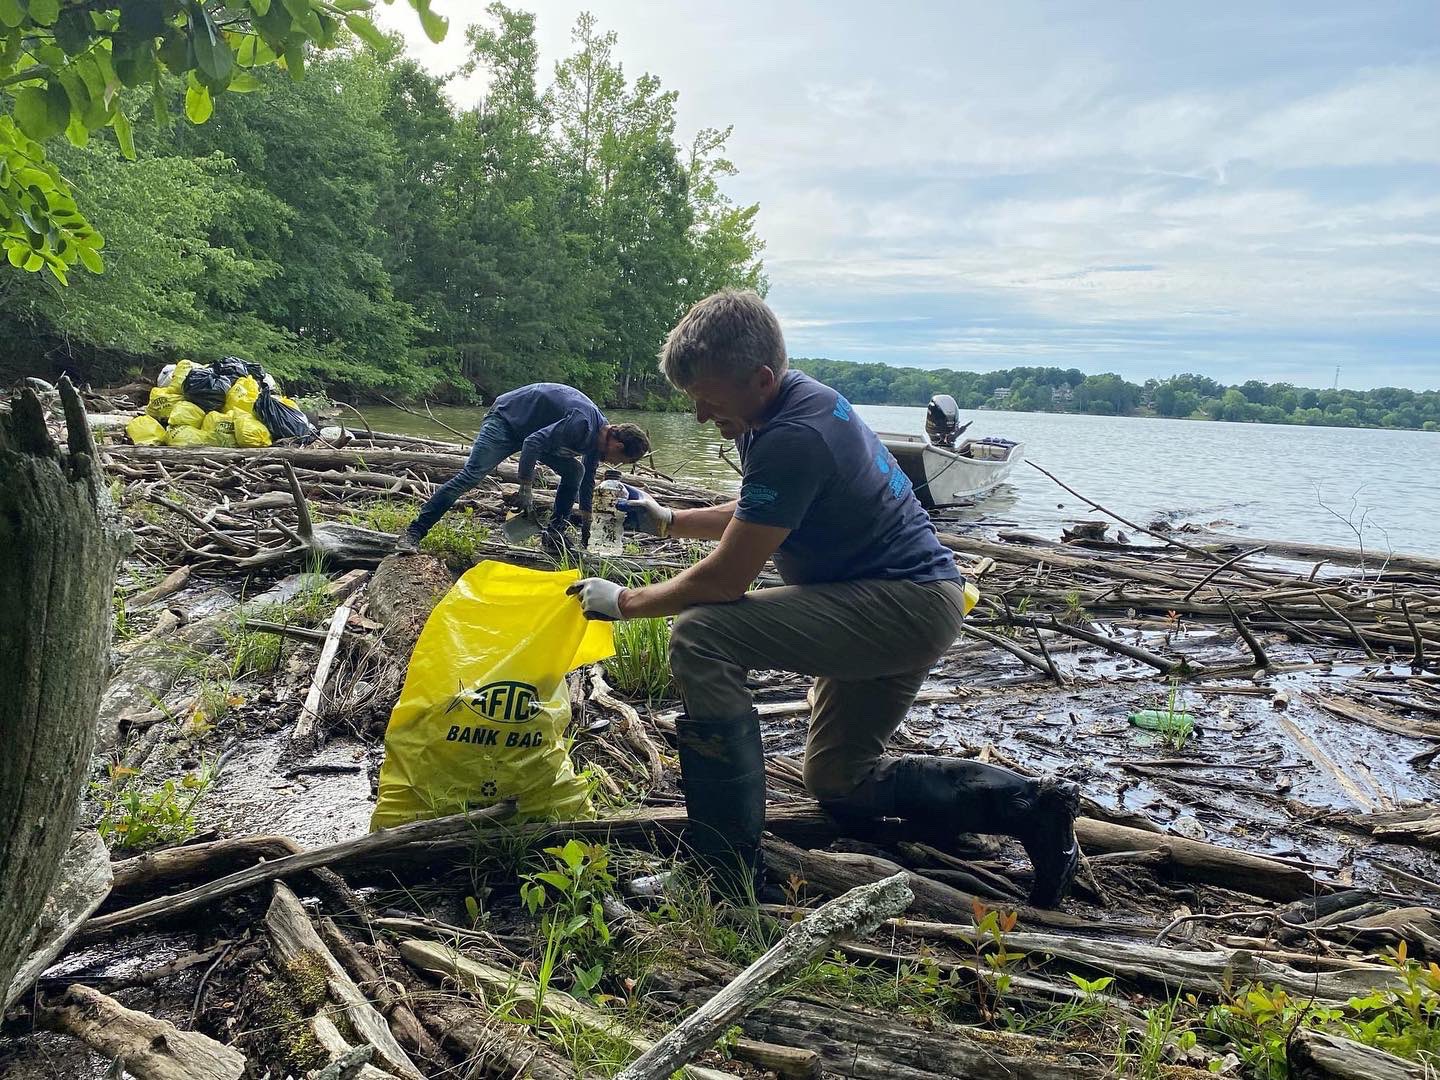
<point>1267,480</point>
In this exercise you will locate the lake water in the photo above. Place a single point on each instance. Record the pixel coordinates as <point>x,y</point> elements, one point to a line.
<point>1265,480</point>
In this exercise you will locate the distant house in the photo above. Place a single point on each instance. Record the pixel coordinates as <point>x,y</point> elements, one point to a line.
<point>1002,393</point>
<point>1061,397</point>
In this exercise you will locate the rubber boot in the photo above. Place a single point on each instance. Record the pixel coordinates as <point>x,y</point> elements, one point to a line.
<point>408,541</point>
<point>969,796</point>
<point>722,769</point>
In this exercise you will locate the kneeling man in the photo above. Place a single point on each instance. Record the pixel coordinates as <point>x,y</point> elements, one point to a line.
<point>871,600</point>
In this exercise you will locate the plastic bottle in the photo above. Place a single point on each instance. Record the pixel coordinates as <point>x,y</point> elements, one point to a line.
<point>607,520</point>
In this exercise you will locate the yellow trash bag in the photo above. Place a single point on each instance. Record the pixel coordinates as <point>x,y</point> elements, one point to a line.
<point>483,713</point>
<point>163,400</point>
<point>242,395</point>
<point>145,431</point>
<point>186,414</point>
<point>248,430</point>
<point>184,435</point>
<point>220,427</point>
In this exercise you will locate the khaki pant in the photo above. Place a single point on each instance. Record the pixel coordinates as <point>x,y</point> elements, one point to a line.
<point>870,645</point>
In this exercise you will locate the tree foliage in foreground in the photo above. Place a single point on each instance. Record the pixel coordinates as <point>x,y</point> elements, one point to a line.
<point>71,66</point>
<point>353,230</point>
<point>1031,389</point>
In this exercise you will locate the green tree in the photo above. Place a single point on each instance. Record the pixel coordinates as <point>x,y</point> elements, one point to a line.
<point>68,68</point>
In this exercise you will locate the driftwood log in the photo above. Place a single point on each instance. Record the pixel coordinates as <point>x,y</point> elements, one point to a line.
<point>857,912</point>
<point>151,1049</point>
<point>385,840</point>
<point>1313,1055</point>
<point>296,941</point>
<point>62,544</point>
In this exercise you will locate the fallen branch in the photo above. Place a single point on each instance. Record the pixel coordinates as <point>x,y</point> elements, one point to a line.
<point>375,843</point>
<point>631,728</point>
<point>306,735</point>
<point>152,1049</point>
<point>297,942</point>
<point>856,913</point>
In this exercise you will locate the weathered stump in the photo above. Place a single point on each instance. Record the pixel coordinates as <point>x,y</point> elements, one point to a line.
<point>61,544</point>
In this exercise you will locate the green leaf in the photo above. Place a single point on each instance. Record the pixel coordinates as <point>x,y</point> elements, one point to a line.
<point>143,18</point>
<point>158,103</point>
<point>91,259</point>
<point>353,5</point>
<point>366,31</point>
<point>304,18</point>
<point>242,82</point>
<point>76,131</point>
<point>436,26</point>
<point>198,104</point>
<point>177,52</point>
<point>44,12</point>
<point>259,7</point>
<point>124,134</point>
<point>33,262</point>
<point>295,59</point>
<point>42,114</point>
<point>12,13</point>
<point>134,61</point>
<point>15,251</point>
<point>74,30</point>
<point>213,57</point>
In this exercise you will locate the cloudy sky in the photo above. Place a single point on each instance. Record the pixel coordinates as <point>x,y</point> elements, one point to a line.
<point>1243,190</point>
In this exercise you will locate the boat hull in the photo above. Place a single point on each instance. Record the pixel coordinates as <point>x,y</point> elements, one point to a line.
<point>946,477</point>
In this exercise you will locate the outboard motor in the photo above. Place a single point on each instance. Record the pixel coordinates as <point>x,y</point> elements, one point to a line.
<point>942,420</point>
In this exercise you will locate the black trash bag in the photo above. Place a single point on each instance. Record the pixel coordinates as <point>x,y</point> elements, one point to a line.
<point>284,421</point>
<point>206,388</point>
<point>232,367</point>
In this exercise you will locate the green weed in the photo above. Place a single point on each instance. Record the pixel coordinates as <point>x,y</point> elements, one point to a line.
<point>134,815</point>
<point>1401,1019</point>
<point>569,893</point>
<point>641,664</point>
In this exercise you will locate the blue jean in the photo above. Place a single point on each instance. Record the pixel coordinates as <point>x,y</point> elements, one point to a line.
<point>495,442</point>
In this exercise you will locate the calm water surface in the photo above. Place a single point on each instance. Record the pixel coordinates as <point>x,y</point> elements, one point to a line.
<point>1265,480</point>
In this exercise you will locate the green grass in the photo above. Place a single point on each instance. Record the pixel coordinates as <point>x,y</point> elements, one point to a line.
<point>641,664</point>
<point>455,536</point>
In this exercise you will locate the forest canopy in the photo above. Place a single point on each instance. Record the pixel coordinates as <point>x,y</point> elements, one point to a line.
<point>353,230</point>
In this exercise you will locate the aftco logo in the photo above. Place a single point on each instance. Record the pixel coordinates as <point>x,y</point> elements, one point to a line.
<point>506,702</point>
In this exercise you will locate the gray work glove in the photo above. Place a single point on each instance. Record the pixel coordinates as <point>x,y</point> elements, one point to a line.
<point>599,599</point>
<point>525,501</point>
<point>644,514</point>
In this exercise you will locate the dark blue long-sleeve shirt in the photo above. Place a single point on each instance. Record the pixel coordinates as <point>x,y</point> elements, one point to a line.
<point>557,424</point>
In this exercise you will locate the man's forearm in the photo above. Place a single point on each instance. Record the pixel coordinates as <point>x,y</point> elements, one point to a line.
<point>697,585</point>
<point>706,523</point>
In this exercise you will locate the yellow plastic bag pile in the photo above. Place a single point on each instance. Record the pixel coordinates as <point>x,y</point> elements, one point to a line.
<point>483,713</point>
<point>190,425</point>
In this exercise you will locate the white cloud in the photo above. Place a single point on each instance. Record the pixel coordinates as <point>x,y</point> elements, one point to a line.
<point>1273,172</point>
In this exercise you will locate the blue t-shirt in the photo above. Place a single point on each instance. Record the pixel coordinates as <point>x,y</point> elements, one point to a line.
<point>817,469</point>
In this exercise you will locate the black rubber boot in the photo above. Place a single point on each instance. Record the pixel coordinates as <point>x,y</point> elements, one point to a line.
<point>722,768</point>
<point>969,796</point>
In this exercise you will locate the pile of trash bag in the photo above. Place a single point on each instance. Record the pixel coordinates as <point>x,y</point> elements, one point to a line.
<point>232,402</point>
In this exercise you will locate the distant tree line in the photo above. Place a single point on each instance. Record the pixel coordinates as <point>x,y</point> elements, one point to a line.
<point>1031,389</point>
<point>353,231</point>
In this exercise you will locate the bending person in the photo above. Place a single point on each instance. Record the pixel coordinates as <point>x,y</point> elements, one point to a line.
<point>544,422</point>
<point>871,600</point>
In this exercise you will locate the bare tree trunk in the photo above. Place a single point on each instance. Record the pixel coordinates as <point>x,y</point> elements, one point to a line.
<point>61,544</point>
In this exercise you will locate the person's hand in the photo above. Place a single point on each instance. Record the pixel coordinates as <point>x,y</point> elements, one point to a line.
<point>644,514</point>
<point>599,599</point>
<point>525,501</point>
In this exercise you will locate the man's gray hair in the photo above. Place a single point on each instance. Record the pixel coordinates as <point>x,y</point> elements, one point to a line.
<point>728,335</point>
